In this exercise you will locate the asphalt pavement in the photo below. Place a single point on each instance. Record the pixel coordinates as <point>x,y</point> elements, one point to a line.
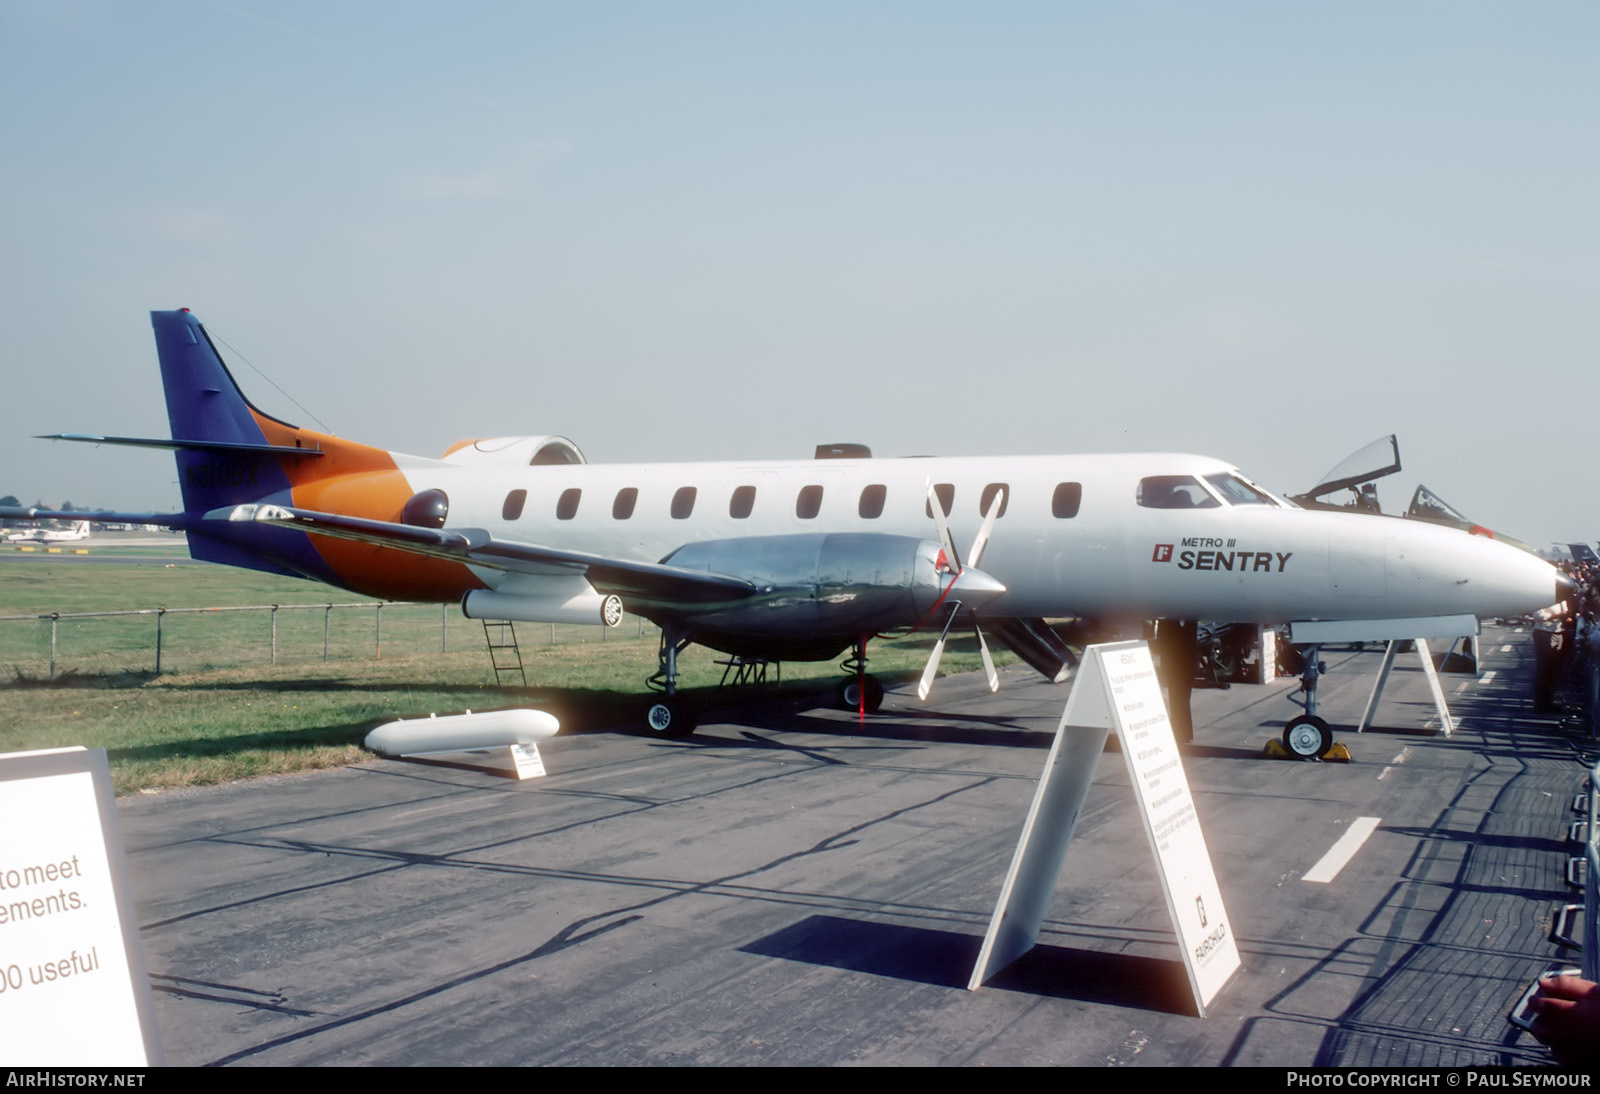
<point>794,886</point>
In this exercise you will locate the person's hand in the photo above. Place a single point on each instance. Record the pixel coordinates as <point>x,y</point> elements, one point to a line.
<point>1568,1019</point>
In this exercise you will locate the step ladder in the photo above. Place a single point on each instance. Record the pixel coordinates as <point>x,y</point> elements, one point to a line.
<point>504,655</point>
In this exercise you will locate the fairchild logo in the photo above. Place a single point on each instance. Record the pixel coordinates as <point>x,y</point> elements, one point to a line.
<point>1163,553</point>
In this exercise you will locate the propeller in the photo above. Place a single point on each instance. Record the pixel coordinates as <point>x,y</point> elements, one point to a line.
<point>969,587</point>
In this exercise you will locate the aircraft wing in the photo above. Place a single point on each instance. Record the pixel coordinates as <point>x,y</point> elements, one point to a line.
<point>476,547</point>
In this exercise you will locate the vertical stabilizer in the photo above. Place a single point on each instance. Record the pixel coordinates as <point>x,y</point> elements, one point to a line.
<point>205,405</point>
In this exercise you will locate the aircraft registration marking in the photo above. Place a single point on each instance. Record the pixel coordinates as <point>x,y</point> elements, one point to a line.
<point>1340,854</point>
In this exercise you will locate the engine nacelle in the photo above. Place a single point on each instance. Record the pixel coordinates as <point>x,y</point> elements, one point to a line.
<point>545,600</point>
<point>839,585</point>
<point>515,452</point>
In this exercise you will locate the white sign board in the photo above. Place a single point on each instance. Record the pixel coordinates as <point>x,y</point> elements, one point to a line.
<point>527,761</point>
<point>1204,934</point>
<point>73,986</point>
<point>1116,687</point>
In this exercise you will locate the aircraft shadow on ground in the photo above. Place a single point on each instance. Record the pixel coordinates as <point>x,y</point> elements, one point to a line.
<point>946,958</point>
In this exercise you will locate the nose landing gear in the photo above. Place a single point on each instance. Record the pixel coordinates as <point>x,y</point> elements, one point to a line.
<point>1308,737</point>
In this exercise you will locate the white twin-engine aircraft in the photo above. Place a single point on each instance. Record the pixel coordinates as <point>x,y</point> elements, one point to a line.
<point>800,560</point>
<point>50,535</point>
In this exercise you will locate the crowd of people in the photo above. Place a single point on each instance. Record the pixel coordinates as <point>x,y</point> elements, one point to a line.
<point>1567,647</point>
<point>1567,679</point>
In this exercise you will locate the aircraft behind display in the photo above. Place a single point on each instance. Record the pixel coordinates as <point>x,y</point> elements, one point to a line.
<point>1359,474</point>
<point>50,535</point>
<point>799,559</point>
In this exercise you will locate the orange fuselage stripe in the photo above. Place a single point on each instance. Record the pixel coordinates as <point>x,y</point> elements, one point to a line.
<point>362,481</point>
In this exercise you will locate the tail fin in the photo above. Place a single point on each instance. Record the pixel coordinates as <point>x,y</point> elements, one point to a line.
<point>205,405</point>
<point>231,453</point>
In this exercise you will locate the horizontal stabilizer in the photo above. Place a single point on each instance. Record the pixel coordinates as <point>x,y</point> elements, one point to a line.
<point>649,582</point>
<point>174,444</point>
<point>165,520</point>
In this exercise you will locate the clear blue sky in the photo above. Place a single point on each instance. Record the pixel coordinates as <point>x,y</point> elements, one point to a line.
<point>1268,232</point>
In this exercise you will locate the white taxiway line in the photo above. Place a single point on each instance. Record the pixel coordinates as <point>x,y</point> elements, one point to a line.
<point>1505,649</point>
<point>1328,867</point>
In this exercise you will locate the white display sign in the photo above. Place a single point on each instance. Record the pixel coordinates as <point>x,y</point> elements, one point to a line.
<point>73,987</point>
<point>1116,687</point>
<point>527,761</point>
<point>1204,933</point>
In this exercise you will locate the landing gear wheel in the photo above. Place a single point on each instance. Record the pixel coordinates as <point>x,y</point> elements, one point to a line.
<point>1307,737</point>
<point>669,718</point>
<point>850,693</point>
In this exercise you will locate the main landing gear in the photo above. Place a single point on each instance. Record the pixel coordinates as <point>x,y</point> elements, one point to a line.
<point>860,691</point>
<point>669,716</point>
<point>1307,736</point>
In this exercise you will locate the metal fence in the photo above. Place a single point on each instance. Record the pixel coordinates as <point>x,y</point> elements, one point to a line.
<point>46,646</point>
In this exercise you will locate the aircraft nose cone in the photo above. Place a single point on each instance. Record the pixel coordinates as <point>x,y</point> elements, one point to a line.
<point>1519,582</point>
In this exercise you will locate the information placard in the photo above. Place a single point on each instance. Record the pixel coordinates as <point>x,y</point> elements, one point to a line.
<point>1116,688</point>
<point>1167,809</point>
<point>73,986</point>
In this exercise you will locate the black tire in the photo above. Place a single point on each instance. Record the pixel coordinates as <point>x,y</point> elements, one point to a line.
<point>1307,737</point>
<point>850,693</point>
<point>669,718</point>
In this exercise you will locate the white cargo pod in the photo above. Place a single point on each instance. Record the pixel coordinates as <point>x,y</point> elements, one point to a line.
<point>518,730</point>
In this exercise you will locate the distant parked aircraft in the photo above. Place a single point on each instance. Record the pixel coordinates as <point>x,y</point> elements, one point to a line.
<point>49,535</point>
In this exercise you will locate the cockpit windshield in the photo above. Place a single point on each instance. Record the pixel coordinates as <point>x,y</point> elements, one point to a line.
<point>1237,490</point>
<point>1380,458</point>
<point>1426,505</point>
<point>1175,492</point>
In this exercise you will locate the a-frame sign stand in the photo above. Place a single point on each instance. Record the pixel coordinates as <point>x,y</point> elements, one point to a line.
<point>1116,688</point>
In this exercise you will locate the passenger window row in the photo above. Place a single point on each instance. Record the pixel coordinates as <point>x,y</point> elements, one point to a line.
<point>1064,501</point>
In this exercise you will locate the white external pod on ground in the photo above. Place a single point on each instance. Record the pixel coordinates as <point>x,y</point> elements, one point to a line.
<point>462,732</point>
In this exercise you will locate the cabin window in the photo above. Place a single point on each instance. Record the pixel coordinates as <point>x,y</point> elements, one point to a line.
<point>946,493</point>
<point>627,498</point>
<point>988,497</point>
<point>1175,492</point>
<point>742,502</point>
<point>809,503</point>
<point>567,504</point>
<point>683,502</point>
<point>1065,501</point>
<point>871,507</point>
<point>512,509</point>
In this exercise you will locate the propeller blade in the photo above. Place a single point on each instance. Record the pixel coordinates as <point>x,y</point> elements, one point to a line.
<point>949,545</point>
<point>988,662</point>
<point>988,526</point>
<point>932,668</point>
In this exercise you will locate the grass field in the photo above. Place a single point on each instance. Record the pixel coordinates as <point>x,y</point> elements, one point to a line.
<point>221,710</point>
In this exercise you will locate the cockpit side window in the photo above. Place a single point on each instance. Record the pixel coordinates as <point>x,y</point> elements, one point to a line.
<point>1237,490</point>
<point>1175,492</point>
